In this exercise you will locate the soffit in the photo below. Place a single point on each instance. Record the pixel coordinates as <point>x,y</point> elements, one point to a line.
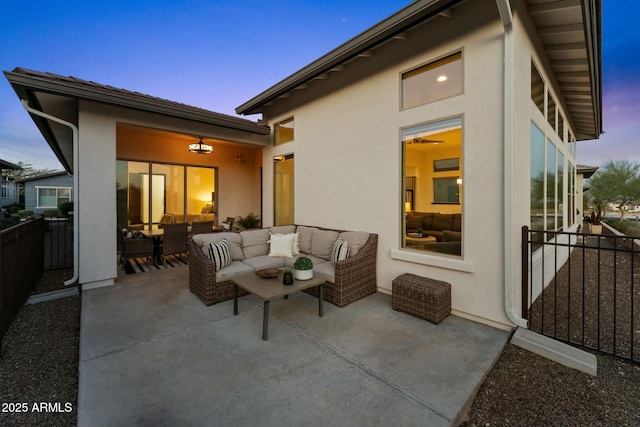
<point>570,33</point>
<point>361,46</point>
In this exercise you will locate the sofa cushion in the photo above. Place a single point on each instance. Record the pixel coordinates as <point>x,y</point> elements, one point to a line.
<point>322,242</point>
<point>451,236</point>
<point>414,220</point>
<point>326,270</point>
<point>281,245</point>
<point>283,229</point>
<point>232,270</point>
<point>442,222</point>
<point>457,222</point>
<point>427,220</point>
<point>220,254</point>
<point>340,250</point>
<point>306,233</point>
<point>234,239</point>
<point>255,242</point>
<point>355,239</point>
<point>261,262</point>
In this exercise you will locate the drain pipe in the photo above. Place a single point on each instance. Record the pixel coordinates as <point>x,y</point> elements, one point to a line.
<point>76,207</point>
<point>509,258</point>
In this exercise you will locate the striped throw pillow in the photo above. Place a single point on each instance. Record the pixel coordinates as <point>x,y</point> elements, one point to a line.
<point>340,251</point>
<point>220,253</point>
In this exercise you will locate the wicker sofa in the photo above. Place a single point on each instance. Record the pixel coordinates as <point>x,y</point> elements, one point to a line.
<point>348,280</point>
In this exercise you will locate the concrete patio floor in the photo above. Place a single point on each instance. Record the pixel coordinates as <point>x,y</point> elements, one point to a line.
<point>151,354</point>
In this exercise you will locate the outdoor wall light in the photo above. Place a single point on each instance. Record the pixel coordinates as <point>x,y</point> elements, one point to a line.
<point>200,148</point>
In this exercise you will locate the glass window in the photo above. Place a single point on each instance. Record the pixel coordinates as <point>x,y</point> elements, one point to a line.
<point>432,203</point>
<point>283,194</point>
<point>537,183</point>
<point>284,131</point>
<point>559,192</point>
<point>551,111</point>
<point>537,88</point>
<point>550,218</point>
<point>52,197</point>
<point>432,82</point>
<point>144,201</point>
<point>560,127</point>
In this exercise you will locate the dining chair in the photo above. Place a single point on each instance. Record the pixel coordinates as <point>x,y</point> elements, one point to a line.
<point>174,240</point>
<point>200,227</point>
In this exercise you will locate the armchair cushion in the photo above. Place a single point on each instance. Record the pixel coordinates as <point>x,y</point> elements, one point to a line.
<point>355,240</point>
<point>306,234</point>
<point>234,239</point>
<point>322,242</point>
<point>255,242</point>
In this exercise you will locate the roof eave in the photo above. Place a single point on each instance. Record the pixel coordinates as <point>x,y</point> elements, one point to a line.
<point>386,29</point>
<point>34,83</point>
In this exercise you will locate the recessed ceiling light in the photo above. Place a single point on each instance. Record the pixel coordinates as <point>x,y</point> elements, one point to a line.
<point>442,78</point>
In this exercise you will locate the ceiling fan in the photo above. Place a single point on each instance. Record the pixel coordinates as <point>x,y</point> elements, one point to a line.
<point>423,141</point>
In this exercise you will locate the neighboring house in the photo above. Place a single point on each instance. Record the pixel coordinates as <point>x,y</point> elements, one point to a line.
<point>10,190</point>
<point>456,118</point>
<point>47,192</point>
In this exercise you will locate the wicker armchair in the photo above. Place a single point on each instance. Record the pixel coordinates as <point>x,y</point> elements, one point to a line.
<point>174,240</point>
<point>202,278</point>
<point>134,248</point>
<point>355,277</point>
<point>199,227</point>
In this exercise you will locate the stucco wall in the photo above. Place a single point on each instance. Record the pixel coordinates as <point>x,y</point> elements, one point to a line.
<point>238,181</point>
<point>348,155</point>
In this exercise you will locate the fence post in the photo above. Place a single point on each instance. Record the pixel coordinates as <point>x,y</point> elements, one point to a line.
<point>525,272</point>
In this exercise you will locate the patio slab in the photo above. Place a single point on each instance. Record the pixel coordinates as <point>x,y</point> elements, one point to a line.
<point>152,354</point>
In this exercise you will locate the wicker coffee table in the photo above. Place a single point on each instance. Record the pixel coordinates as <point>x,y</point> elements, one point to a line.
<point>270,289</point>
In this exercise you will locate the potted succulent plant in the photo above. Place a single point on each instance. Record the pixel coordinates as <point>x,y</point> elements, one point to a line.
<point>303,268</point>
<point>596,224</point>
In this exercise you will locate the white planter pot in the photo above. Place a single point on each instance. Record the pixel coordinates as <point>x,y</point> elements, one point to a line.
<point>596,229</point>
<point>303,274</point>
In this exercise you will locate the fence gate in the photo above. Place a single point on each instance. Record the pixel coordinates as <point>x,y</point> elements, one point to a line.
<point>582,289</point>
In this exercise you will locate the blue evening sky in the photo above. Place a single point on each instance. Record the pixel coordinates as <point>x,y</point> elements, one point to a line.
<point>218,54</point>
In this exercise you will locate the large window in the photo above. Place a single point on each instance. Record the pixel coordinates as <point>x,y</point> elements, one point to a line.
<point>284,131</point>
<point>52,197</point>
<point>283,191</point>
<point>537,88</point>
<point>432,176</point>
<point>432,82</point>
<point>146,192</point>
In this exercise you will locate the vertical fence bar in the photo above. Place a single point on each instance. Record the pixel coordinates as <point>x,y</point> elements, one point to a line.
<point>524,253</point>
<point>599,305</point>
<point>615,292</point>
<point>632,290</point>
<point>555,287</point>
<point>570,247</point>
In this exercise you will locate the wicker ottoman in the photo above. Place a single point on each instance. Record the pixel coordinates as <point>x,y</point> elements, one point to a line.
<point>422,297</point>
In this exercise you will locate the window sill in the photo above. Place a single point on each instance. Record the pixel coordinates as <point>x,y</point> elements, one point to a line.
<point>433,260</point>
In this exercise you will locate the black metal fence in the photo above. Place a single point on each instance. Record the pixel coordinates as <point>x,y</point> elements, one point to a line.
<point>58,243</point>
<point>21,265</point>
<point>581,289</point>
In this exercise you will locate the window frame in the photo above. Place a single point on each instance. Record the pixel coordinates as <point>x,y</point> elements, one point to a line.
<point>50,187</point>
<point>429,66</point>
<point>277,133</point>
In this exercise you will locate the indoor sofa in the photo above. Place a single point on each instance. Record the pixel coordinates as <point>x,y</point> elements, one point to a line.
<point>253,250</point>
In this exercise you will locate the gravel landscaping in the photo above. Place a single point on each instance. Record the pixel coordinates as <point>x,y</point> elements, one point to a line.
<point>40,364</point>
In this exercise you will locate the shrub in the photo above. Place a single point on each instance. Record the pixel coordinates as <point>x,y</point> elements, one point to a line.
<point>65,208</point>
<point>51,212</point>
<point>25,213</point>
<point>13,209</point>
<point>303,263</point>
